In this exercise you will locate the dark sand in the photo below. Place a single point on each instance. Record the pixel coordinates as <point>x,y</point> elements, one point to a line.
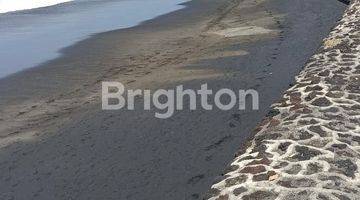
<point>58,144</point>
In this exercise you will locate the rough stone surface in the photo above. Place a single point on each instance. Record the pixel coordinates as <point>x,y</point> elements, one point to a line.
<point>308,146</point>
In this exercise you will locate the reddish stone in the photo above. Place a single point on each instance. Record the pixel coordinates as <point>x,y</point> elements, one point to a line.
<point>264,176</point>
<point>295,98</point>
<point>253,170</point>
<point>296,107</point>
<point>274,122</point>
<point>264,122</point>
<point>263,161</point>
<point>304,111</point>
<point>223,197</point>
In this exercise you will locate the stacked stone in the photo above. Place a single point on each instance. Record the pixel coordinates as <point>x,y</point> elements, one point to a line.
<point>308,146</point>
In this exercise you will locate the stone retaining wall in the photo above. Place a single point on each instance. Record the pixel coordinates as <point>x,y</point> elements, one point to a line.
<point>308,147</point>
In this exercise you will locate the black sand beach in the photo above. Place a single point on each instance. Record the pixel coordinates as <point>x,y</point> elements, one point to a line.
<point>57,143</point>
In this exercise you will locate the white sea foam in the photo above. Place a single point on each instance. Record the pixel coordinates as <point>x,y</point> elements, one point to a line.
<point>15,5</point>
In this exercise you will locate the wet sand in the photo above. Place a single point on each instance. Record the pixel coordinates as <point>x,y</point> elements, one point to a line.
<point>58,144</point>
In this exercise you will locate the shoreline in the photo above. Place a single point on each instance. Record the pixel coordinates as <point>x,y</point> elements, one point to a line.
<point>143,156</point>
<point>89,19</point>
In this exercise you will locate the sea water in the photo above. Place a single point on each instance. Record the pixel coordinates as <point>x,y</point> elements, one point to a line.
<point>32,36</point>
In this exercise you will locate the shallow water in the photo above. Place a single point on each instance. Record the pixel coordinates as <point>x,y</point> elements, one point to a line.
<point>30,37</point>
